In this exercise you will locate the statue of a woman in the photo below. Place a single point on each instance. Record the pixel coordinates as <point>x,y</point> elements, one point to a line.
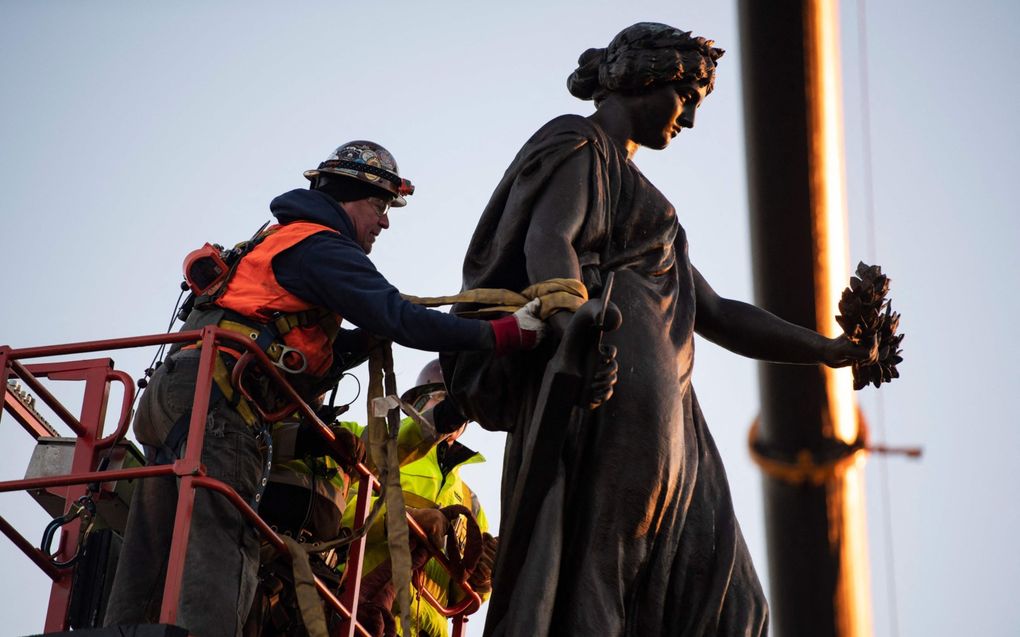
<point>636,535</point>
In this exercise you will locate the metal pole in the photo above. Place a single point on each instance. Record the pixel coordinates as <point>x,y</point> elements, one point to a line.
<point>816,533</point>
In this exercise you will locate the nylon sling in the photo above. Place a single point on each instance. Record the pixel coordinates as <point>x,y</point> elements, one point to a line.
<point>555,295</point>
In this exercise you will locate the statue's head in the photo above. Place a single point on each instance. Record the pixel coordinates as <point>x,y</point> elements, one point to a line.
<point>652,78</point>
<point>641,57</point>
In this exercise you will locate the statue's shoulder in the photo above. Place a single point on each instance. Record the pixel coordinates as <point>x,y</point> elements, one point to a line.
<point>560,138</point>
<point>568,126</point>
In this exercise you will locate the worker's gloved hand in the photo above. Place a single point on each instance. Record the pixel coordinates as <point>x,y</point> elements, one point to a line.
<point>350,450</point>
<point>433,522</point>
<point>521,330</point>
<point>481,578</point>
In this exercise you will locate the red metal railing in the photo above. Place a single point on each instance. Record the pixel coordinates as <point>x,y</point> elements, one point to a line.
<point>97,375</point>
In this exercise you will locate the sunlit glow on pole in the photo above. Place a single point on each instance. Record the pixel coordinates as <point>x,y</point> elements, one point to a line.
<point>831,272</point>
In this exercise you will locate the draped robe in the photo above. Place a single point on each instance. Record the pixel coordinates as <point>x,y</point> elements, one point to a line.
<point>637,534</point>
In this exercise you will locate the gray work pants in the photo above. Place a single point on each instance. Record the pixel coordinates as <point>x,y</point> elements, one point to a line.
<point>221,566</point>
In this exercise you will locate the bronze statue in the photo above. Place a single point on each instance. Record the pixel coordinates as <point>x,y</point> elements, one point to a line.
<point>635,533</point>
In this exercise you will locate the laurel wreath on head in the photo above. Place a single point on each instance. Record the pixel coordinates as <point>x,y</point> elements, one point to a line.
<point>865,313</point>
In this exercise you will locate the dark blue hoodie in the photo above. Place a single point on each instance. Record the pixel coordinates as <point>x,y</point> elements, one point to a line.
<point>332,271</point>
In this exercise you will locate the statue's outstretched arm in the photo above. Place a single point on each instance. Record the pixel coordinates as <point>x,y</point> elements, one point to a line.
<point>750,331</point>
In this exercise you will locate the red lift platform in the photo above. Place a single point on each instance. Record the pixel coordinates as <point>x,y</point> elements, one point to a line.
<point>106,467</point>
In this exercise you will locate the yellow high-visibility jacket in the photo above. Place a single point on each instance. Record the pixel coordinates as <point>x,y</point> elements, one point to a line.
<point>331,484</point>
<point>425,486</point>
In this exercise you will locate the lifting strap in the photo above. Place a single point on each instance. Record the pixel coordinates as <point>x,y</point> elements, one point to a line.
<point>383,427</point>
<point>308,601</point>
<point>555,295</point>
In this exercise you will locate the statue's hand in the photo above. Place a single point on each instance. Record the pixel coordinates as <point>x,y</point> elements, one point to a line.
<point>605,377</point>
<point>841,351</point>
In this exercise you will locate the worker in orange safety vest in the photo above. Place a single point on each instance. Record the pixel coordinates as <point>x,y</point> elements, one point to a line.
<point>289,289</point>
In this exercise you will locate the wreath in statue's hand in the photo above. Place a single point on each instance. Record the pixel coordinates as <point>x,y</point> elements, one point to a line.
<point>865,314</point>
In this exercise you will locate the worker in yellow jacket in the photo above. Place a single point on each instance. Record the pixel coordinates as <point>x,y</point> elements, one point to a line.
<point>306,496</point>
<point>430,484</point>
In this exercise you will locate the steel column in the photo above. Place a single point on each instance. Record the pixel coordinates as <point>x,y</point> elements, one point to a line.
<point>818,572</point>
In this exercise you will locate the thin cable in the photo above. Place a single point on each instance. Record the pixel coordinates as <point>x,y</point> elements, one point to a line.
<point>159,352</point>
<point>871,251</point>
<point>358,393</point>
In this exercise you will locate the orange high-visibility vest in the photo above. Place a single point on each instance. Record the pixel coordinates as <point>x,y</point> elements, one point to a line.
<point>254,292</point>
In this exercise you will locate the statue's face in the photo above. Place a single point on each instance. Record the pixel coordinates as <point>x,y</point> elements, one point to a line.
<point>660,113</point>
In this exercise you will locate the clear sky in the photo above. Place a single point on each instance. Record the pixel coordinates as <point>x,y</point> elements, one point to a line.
<point>131,133</point>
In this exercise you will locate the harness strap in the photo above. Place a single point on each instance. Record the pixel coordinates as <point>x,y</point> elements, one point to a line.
<point>223,384</point>
<point>268,340</point>
<point>416,501</point>
<point>169,451</point>
<point>240,251</point>
<point>287,322</point>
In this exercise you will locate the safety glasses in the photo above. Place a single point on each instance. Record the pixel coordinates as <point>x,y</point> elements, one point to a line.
<point>381,207</point>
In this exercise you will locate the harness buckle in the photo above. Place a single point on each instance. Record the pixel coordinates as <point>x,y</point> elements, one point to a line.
<point>291,360</point>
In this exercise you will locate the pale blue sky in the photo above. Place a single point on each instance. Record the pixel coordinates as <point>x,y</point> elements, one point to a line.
<point>131,133</point>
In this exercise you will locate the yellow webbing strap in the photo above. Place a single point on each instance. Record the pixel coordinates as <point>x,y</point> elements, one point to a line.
<point>308,601</point>
<point>555,295</point>
<point>382,448</point>
<point>221,376</point>
<point>416,501</point>
<point>273,351</point>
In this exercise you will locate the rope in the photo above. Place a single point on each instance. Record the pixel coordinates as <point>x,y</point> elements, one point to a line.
<point>806,467</point>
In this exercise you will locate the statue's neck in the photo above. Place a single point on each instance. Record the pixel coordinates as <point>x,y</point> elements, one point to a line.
<point>614,121</point>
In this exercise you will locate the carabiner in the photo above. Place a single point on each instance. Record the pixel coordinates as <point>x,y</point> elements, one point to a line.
<point>83,508</point>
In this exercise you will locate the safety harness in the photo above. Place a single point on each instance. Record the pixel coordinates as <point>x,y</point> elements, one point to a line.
<point>267,335</point>
<point>216,267</point>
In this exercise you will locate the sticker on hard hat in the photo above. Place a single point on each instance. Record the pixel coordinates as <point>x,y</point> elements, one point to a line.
<point>361,155</point>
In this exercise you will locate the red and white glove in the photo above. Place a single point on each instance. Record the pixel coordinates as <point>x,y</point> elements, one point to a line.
<point>521,330</point>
